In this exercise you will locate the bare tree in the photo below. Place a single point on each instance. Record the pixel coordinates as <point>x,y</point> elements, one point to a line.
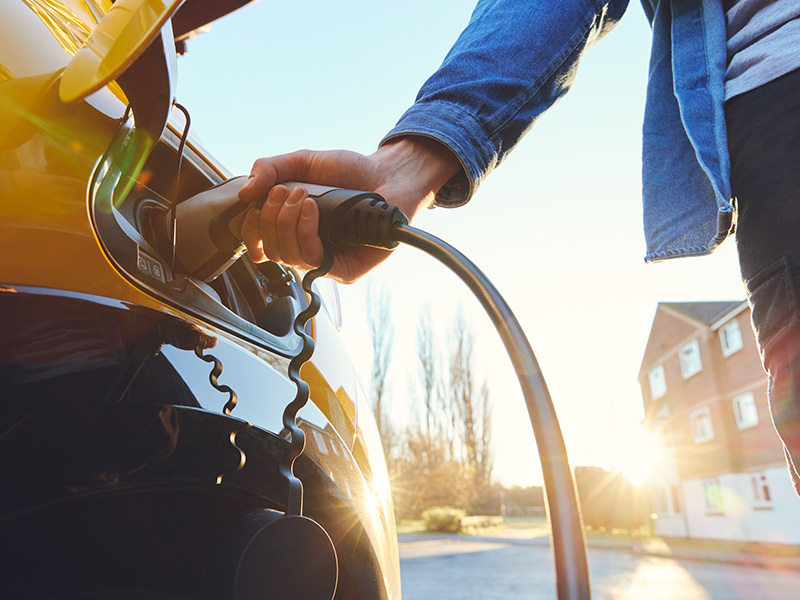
<point>471,409</point>
<point>446,457</point>
<point>484,456</point>
<point>428,373</point>
<point>429,476</point>
<point>382,334</point>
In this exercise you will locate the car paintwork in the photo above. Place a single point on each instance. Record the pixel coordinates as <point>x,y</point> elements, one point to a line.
<point>49,247</point>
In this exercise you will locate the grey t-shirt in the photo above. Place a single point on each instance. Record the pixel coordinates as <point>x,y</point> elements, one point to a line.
<point>763,42</point>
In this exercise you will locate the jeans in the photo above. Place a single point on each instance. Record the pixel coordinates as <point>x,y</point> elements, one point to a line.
<point>764,143</point>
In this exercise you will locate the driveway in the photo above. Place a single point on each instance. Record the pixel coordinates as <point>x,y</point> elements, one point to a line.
<point>513,564</point>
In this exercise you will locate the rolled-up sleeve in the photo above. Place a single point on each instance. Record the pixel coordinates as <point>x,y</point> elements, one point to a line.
<point>511,63</point>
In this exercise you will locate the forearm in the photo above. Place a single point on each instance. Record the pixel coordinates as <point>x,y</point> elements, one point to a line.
<point>513,61</point>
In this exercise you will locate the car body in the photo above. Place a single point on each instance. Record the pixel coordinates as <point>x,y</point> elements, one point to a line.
<point>122,456</point>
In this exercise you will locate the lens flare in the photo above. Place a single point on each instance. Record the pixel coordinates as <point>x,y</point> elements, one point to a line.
<point>641,457</point>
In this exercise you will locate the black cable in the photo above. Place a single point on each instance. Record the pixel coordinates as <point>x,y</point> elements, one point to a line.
<point>297,439</point>
<point>569,544</point>
<point>351,218</point>
<point>181,146</point>
<point>173,200</point>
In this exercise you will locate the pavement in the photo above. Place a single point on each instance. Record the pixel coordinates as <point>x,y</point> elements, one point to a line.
<point>766,556</point>
<point>774,557</point>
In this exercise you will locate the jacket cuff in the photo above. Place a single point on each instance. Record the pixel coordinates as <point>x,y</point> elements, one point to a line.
<point>462,134</point>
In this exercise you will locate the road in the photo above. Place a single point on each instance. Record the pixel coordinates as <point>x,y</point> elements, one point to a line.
<point>489,568</point>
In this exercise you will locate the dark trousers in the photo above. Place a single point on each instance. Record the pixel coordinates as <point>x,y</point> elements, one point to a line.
<point>764,144</point>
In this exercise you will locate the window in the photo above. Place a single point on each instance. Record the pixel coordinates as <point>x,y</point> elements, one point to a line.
<point>744,408</point>
<point>700,423</point>
<point>666,500</point>
<point>730,337</point>
<point>658,383</point>
<point>689,357</point>
<point>712,491</point>
<point>760,487</point>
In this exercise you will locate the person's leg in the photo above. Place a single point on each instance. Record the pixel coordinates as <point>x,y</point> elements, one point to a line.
<point>764,143</point>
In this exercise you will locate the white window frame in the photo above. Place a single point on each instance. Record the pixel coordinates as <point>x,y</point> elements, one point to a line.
<point>712,492</point>
<point>760,488</point>
<point>745,410</point>
<point>658,382</point>
<point>689,358</point>
<point>701,425</point>
<point>730,337</point>
<point>667,500</point>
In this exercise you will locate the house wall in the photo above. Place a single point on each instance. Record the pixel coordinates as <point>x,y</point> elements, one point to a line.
<point>734,455</point>
<point>704,459</point>
<point>741,517</point>
<point>741,368</point>
<point>755,446</point>
<point>671,526</point>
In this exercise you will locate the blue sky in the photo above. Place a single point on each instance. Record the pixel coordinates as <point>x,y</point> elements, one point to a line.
<point>557,226</point>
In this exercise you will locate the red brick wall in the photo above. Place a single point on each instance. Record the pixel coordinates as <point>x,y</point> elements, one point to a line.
<point>721,378</point>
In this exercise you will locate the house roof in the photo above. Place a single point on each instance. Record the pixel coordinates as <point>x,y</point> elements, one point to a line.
<point>704,312</point>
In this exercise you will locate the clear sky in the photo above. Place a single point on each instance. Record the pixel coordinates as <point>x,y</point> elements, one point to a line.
<point>557,226</point>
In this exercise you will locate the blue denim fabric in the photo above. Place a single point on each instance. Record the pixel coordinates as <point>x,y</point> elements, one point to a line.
<point>516,58</point>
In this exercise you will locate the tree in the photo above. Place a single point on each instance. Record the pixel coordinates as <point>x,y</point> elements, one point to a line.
<point>608,499</point>
<point>428,475</point>
<point>446,457</point>
<point>428,372</point>
<point>471,411</point>
<point>382,334</point>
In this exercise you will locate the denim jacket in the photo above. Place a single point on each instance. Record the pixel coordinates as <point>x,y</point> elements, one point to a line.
<point>516,58</point>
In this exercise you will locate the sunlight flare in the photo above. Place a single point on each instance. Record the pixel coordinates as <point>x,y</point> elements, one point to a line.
<point>639,455</point>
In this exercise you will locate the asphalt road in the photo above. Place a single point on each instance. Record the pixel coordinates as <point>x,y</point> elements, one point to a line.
<point>462,568</point>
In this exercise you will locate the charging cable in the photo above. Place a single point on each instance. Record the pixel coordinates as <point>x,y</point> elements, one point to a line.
<point>348,219</point>
<point>208,241</point>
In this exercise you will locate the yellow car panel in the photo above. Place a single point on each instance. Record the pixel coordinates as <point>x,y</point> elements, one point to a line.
<point>67,172</point>
<point>115,43</point>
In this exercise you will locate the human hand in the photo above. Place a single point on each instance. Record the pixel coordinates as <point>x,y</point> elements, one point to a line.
<point>407,173</point>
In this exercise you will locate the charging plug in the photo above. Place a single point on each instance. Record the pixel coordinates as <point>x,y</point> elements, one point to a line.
<point>349,218</point>
<point>208,225</point>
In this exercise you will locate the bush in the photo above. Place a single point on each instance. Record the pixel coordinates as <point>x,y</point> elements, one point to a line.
<point>444,519</point>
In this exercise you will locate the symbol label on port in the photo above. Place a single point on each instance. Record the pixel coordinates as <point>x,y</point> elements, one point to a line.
<point>143,266</point>
<point>149,265</point>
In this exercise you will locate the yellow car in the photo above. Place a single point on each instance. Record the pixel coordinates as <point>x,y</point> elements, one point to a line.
<point>141,403</point>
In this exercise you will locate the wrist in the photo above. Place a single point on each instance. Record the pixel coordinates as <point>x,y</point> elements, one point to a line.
<point>422,165</point>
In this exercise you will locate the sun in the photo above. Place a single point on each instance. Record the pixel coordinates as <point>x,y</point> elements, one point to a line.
<point>639,455</point>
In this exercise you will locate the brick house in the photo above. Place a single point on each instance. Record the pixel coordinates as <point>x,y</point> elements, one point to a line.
<point>722,473</point>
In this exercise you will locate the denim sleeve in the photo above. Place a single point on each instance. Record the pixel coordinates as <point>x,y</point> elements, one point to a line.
<point>513,61</point>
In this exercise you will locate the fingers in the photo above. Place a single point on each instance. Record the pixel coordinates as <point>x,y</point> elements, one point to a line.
<point>287,219</point>
<point>262,177</point>
<point>267,172</point>
<point>268,222</point>
<point>285,229</point>
<point>311,248</point>
<point>251,236</point>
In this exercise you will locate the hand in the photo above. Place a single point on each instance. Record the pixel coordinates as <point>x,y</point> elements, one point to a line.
<point>407,173</point>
